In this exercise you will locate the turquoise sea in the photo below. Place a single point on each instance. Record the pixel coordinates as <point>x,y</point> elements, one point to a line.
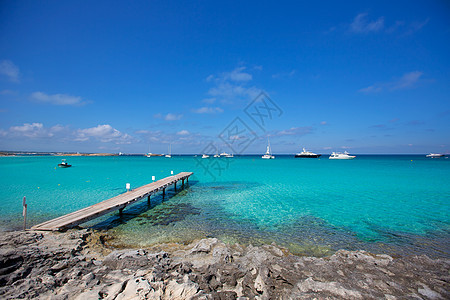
<point>394,204</point>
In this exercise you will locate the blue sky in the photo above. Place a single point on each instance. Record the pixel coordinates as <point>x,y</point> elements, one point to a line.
<point>102,76</point>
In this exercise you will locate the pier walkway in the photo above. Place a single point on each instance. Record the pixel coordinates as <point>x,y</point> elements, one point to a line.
<point>116,203</point>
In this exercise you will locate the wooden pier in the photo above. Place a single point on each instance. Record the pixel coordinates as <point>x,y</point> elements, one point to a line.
<point>116,203</point>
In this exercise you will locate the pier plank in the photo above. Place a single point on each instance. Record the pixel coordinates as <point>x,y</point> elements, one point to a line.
<point>118,202</point>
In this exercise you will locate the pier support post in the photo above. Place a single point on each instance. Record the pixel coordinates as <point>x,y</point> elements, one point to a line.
<point>164,192</point>
<point>175,185</point>
<point>148,199</point>
<point>182,183</point>
<point>120,211</point>
<point>24,213</point>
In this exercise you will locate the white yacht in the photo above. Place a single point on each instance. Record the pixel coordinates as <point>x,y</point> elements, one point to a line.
<point>435,155</point>
<point>268,154</point>
<point>170,152</point>
<point>216,155</point>
<point>339,155</point>
<point>224,154</point>
<point>205,156</point>
<point>307,154</point>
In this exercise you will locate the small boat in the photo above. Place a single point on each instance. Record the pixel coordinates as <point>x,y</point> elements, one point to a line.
<point>170,152</point>
<point>307,154</point>
<point>224,154</point>
<point>339,155</point>
<point>205,156</point>
<point>435,155</point>
<point>268,154</point>
<point>64,164</point>
<point>216,155</point>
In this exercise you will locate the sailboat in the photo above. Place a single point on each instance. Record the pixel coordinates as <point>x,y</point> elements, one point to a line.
<point>170,152</point>
<point>268,154</point>
<point>149,154</point>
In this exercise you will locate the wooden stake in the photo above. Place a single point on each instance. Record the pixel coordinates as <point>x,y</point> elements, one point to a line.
<point>24,213</point>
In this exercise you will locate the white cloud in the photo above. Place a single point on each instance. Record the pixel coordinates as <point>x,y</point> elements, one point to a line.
<point>238,75</point>
<point>361,25</point>
<point>228,92</point>
<point>370,89</point>
<point>9,70</point>
<point>172,117</point>
<point>208,110</point>
<point>104,133</point>
<point>416,26</point>
<point>298,131</point>
<point>323,123</point>
<point>29,130</point>
<point>231,86</point>
<point>7,92</point>
<point>284,74</point>
<point>57,99</point>
<point>408,80</point>
<point>183,132</point>
<point>209,100</point>
<point>34,130</point>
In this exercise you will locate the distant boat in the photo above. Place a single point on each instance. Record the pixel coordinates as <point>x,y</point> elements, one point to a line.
<point>339,155</point>
<point>307,154</point>
<point>224,154</point>
<point>435,155</point>
<point>64,164</point>
<point>205,156</point>
<point>268,154</point>
<point>216,155</point>
<point>170,152</point>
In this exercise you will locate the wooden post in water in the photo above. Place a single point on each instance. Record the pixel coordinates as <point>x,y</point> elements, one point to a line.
<point>164,192</point>
<point>175,185</point>
<point>182,183</point>
<point>24,213</point>
<point>120,211</point>
<point>148,199</point>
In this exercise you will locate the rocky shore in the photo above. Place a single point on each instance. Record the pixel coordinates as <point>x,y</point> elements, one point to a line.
<point>75,265</point>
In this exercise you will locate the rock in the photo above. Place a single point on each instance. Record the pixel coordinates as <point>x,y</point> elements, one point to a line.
<point>184,290</point>
<point>65,266</point>
<point>204,245</point>
<point>333,288</point>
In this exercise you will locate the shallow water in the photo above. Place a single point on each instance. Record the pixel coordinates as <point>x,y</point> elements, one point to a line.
<point>385,204</point>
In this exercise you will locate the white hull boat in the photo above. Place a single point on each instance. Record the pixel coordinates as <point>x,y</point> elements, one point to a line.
<point>338,155</point>
<point>268,154</point>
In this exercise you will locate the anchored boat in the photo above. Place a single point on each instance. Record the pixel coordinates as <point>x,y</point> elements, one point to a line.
<point>307,154</point>
<point>339,155</point>
<point>268,154</point>
<point>64,164</point>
